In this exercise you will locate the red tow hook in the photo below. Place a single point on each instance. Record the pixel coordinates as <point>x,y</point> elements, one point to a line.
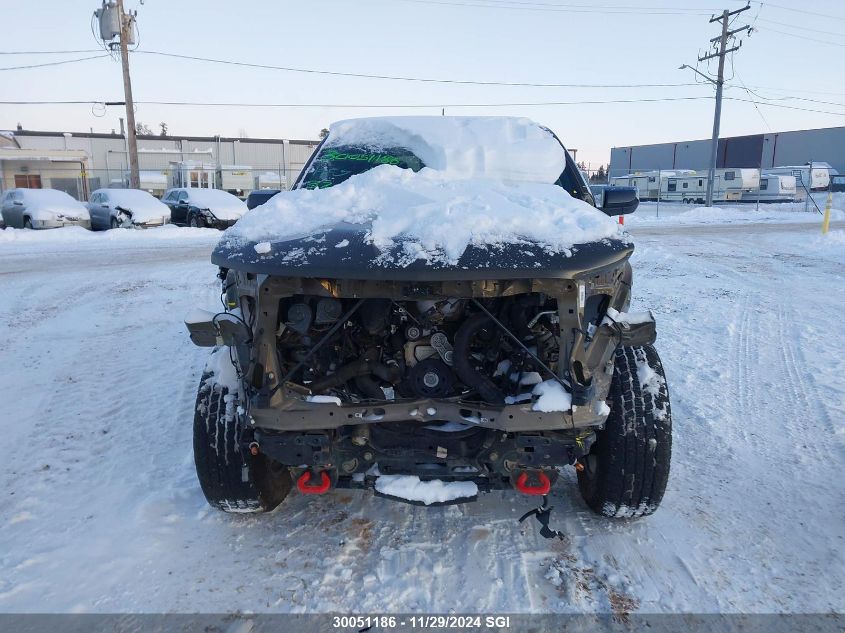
<point>318,489</point>
<point>542,489</point>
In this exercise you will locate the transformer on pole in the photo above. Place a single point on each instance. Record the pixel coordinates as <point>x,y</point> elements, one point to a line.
<point>114,22</point>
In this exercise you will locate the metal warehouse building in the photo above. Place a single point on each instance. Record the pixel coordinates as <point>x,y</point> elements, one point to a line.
<point>81,162</point>
<point>755,151</point>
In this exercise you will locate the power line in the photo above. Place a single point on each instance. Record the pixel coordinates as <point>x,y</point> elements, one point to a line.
<point>336,73</point>
<point>800,28</point>
<point>430,105</point>
<point>58,63</point>
<point>801,37</point>
<point>782,105</point>
<point>802,10</point>
<point>788,97</point>
<point>603,11</point>
<point>595,7</point>
<point>365,105</point>
<point>76,52</point>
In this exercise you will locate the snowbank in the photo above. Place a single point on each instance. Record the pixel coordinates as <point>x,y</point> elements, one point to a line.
<point>427,492</point>
<point>501,148</point>
<point>443,215</point>
<point>75,237</point>
<point>673,213</point>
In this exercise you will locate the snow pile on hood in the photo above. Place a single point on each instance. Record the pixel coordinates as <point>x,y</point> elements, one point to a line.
<point>501,148</point>
<point>144,207</point>
<point>221,203</point>
<point>410,487</point>
<point>434,216</point>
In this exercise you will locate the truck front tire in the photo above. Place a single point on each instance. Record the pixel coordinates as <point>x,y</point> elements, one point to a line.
<point>231,481</point>
<point>625,473</point>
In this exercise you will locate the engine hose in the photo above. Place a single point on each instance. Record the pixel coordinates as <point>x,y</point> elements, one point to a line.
<point>356,369</point>
<point>485,387</point>
<point>519,320</point>
<point>369,387</point>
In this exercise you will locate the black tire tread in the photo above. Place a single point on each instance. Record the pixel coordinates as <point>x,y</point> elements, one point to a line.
<point>632,454</point>
<point>228,482</point>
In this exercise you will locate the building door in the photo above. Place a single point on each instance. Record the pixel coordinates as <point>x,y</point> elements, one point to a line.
<point>28,181</point>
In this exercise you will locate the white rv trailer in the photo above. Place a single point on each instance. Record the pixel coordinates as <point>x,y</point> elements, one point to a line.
<point>646,181</point>
<point>236,179</point>
<point>773,188</point>
<point>816,177</point>
<point>686,185</point>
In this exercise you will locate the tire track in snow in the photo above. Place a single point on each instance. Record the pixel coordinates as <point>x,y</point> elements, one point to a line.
<point>807,412</point>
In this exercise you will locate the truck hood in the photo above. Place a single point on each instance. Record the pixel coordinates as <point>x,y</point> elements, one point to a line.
<point>345,251</point>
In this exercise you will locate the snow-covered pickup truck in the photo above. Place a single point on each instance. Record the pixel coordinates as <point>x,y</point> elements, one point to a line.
<point>437,308</point>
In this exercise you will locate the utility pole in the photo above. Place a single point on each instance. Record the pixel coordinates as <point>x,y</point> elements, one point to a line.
<point>132,141</point>
<point>721,52</point>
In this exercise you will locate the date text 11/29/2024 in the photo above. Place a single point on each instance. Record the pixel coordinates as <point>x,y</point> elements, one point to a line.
<point>423,622</point>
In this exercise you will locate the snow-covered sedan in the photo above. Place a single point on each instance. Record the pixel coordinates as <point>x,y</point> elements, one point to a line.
<point>203,207</point>
<point>126,208</point>
<point>42,209</point>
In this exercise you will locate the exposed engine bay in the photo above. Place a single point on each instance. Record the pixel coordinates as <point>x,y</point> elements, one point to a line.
<point>390,350</point>
<point>355,378</point>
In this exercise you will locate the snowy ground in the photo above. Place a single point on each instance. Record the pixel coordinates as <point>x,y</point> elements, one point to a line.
<point>102,511</point>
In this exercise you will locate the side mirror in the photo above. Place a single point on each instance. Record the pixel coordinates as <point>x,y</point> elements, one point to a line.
<point>620,200</point>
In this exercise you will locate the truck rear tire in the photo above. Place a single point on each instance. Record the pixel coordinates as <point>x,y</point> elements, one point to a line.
<point>626,471</point>
<point>231,481</point>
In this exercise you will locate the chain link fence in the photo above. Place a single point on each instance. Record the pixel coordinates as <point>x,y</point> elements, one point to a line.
<point>80,182</point>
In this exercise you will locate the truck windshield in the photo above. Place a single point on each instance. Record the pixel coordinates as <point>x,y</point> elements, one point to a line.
<point>333,165</point>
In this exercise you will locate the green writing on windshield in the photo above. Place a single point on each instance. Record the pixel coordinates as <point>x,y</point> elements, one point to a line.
<point>373,159</point>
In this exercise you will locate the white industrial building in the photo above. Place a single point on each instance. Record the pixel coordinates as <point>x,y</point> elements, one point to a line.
<point>80,162</point>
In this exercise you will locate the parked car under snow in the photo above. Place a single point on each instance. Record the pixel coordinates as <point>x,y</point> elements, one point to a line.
<point>436,309</point>
<point>126,208</point>
<point>42,209</point>
<point>203,207</point>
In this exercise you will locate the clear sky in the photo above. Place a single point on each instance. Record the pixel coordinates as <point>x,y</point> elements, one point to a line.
<point>795,53</point>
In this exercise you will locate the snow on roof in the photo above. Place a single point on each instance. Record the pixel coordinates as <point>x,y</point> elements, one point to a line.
<point>440,214</point>
<point>502,148</point>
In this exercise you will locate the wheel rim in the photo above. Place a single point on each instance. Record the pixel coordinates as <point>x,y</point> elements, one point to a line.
<point>193,223</point>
